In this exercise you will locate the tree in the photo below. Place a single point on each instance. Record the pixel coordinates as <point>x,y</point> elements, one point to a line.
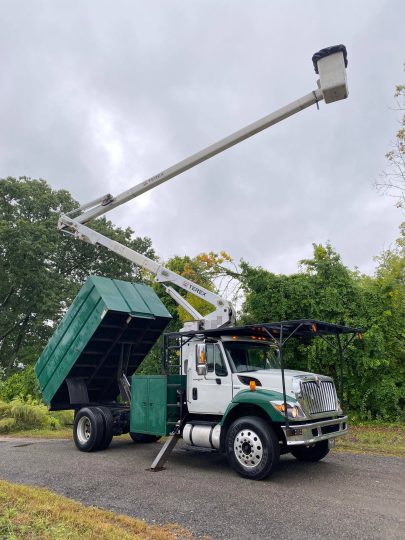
<point>392,180</point>
<point>42,270</point>
<point>389,289</point>
<point>325,289</point>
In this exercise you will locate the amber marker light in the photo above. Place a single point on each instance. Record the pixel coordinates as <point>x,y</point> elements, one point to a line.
<point>293,410</point>
<point>252,386</point>
<point>280,407</point>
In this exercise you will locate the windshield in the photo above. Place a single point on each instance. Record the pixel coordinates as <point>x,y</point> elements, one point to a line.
<point>244,356</point>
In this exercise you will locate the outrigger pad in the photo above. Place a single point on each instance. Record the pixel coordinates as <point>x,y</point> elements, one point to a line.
<point>110,326</point>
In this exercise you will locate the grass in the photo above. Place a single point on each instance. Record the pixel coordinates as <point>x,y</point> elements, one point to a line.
<point>380,439</point>
<point>31,513</point>
<point>62,433</point>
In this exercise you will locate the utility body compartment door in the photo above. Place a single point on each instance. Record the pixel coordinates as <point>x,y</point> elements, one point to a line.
<point>212,393</point>
<point>149,404</point>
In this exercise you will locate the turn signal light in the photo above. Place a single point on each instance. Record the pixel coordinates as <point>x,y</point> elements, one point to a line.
<point>293,410</point>
<point>280,407</point>
<point>252,386</point>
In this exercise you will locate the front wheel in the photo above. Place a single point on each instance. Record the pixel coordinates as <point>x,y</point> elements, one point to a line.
<point>316,452</point>
<point>252,447</point>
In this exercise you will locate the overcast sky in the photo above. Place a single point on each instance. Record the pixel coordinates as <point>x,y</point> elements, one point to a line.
<point>96,96</point>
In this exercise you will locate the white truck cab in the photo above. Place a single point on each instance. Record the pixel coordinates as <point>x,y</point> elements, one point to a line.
<point>235,376</point>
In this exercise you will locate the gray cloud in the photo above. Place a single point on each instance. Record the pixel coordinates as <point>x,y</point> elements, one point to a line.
<point>97,96</point>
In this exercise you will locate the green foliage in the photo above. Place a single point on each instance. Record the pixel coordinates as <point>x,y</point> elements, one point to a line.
<point>25,414</point>
<point>22,384</point>
<point>326,290</point>
<point>41,270</point>
<point>152,365</point>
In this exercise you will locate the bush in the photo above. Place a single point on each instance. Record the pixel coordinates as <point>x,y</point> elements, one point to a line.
<point>23,384</point>
<point>25,414</point>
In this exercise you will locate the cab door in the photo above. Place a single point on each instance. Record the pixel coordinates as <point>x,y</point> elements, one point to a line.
<point>210,393</point>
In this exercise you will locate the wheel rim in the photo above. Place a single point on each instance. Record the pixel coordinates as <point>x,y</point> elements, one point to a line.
<point>83,429</point>
<point>248,448</point>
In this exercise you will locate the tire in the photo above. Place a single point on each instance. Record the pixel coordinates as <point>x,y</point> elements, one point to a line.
<point>88,429</point>
<point>315,452</point>
<point>108,428</point>
<point>252,447</point>
<point>143,438</point>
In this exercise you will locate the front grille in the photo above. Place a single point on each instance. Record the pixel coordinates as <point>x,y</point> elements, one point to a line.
<point>319,398</point>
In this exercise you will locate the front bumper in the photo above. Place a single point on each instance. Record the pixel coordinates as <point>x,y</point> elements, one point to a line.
<point>315,431</point>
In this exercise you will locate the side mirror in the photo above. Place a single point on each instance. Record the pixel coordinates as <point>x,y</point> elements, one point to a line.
<point>201,359</point>
<point>202,370</point>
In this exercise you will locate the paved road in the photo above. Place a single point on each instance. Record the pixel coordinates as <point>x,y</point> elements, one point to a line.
<point>345,496</point>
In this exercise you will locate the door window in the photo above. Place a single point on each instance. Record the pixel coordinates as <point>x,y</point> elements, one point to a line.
<point>215,361</point>
<point>220,366</point>
<point>209,352</point>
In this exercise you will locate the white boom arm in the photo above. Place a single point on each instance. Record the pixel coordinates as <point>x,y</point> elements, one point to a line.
<point>223,313</point>
<point>331,65</point>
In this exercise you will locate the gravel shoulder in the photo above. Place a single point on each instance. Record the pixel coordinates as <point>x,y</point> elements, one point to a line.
<point>345,496</point>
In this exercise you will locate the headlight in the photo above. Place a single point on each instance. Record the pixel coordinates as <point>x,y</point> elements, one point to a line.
<point>294,411</point>
<point>339,407</point>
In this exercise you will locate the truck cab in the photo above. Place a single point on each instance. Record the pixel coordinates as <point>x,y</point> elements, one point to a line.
<point>234,378</point>
<point>219,369</point>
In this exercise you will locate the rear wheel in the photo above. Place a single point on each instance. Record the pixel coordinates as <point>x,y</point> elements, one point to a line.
<point>108,428</point>
<point>143,438</point>
<point>88,429</point>
<point>316,452</point>
<point>252,447</point>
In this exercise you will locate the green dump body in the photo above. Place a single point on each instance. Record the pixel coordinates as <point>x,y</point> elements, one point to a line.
<point>110,325</point>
